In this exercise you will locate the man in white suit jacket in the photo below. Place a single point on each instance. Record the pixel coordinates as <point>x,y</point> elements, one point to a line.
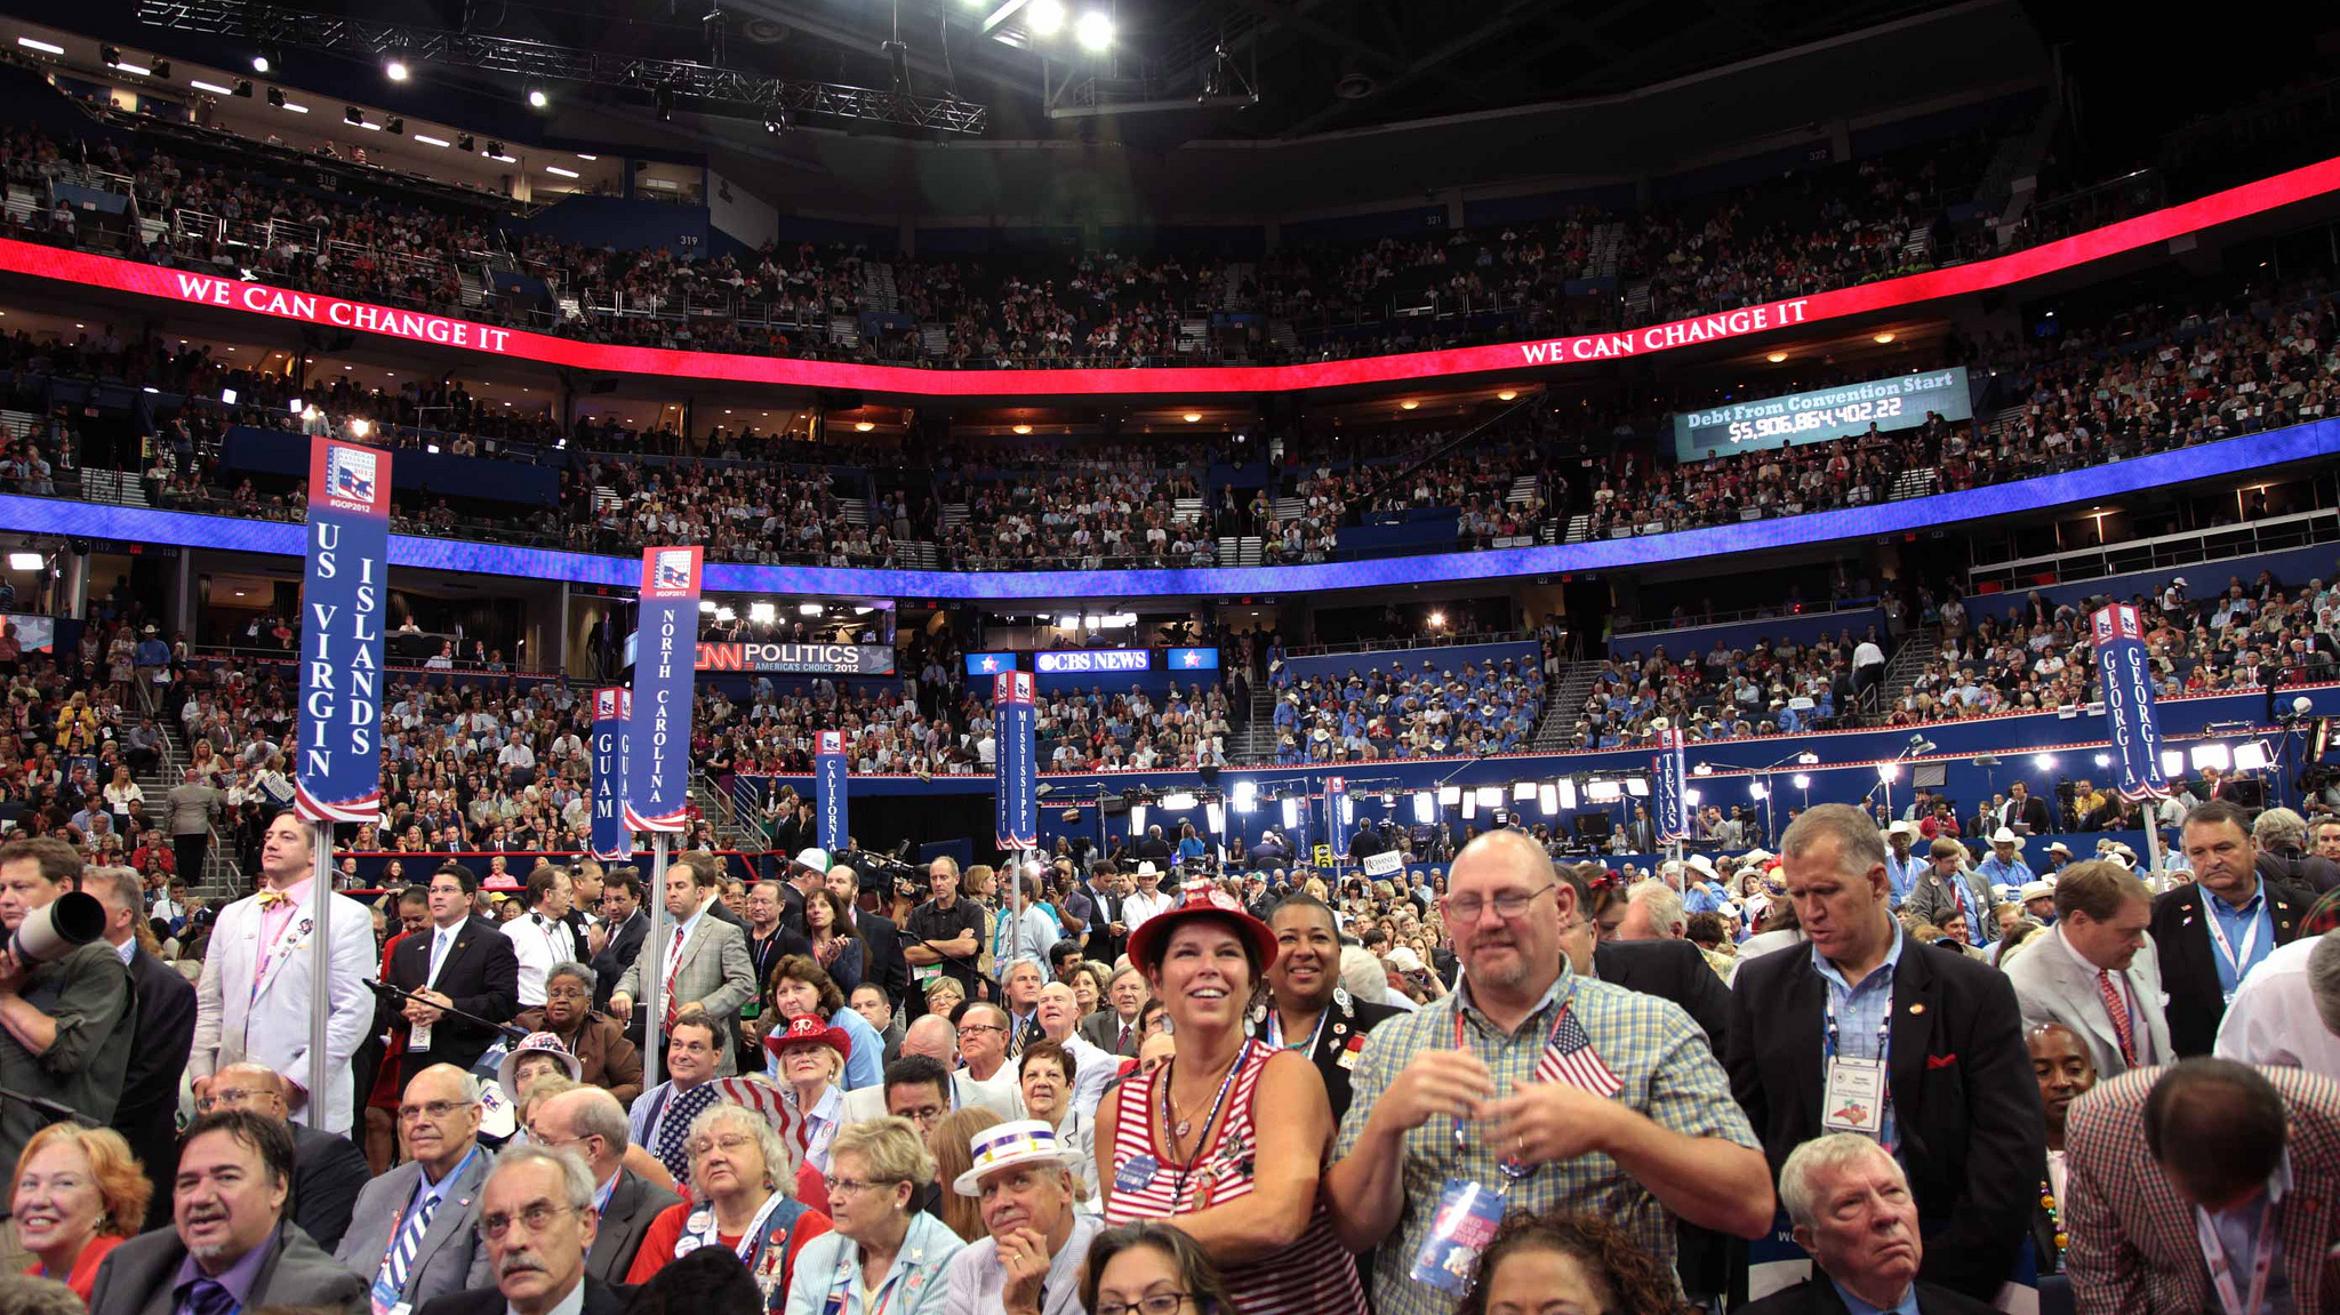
<point>2097,954</point>
<point>253,1001</point>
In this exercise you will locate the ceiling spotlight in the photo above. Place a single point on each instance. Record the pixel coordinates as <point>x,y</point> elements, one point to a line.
<point>537,100</point>
<point>863,426</point>
<point>244,88</point>
<point>261,63</point>
<point>1192,417</point>
<point>1507,395</point>
<point>109,55</point>
<point>1408,405</point>
<point>1775,357</point>
<point>395,70</point>
<point>1094,31</point>
<point>162,69</point>
<point>1021,429</point>
<point>395,125</point>
<point>776,123</point>
<point>1045,18</point>
<point>495,148</point>
<point>1881,338</point>
<point>276,97</point>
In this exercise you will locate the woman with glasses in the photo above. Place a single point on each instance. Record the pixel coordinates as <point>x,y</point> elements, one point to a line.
<point>1185,1141</point>
<point>78,1194</point>
<point>884,1255</point>
<point>605,1058</point>
<point>1151,1269</point>
<point>739,1200</point>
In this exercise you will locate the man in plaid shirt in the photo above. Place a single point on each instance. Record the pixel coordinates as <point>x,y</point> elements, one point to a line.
<point>1608,1100</point>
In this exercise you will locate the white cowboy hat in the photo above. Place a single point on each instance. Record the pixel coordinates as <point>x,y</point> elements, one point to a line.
<point>2004,836</point>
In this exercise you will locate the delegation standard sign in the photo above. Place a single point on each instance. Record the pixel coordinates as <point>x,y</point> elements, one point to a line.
<point>339,773</point>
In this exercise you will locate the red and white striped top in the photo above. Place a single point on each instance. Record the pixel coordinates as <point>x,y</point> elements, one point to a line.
<point>1314,1276</point>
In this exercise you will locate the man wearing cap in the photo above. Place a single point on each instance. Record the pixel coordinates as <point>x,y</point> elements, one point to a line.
<point>1902,867</point>
<point>807,872</point>
<point>1703,887</point>
<point>2005,866</point>
<point>2059,854</point>
<point>2094,971</point>
<point>2039,901</point>
<point>1031,1263</point>
<point>1948,888</point>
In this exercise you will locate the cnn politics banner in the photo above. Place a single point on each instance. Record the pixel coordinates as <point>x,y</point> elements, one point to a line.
<point>798,659</point>
<point>339,773</point>
<point>2126,670</point>
<point>1673,796</point>
<point>1015,774</point>
<point>612,709</point>
<point>658,779</point>
<point>829,765</point>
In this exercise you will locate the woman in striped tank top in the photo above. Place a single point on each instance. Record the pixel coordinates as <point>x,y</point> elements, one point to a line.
<point>1184,1140</point>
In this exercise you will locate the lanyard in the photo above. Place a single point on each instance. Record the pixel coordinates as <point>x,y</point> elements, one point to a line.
<point>422,1190</point>
<point>1884,1024</point>
<point>2250,945</point>
<point>2222,1271</point>
<point>1203,1138</point>
<point>750,1242</point>
<point>848,1275</point>
<point>1512,1169</point>
<point>1275,1031</point>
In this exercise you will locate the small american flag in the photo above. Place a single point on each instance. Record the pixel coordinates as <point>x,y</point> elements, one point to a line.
<point>759,1096</point>
<point>1570,1058</point>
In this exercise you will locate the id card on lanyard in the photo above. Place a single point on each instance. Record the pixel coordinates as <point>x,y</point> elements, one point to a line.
<point>2222,1270</point>
<point>1857,1091</point>
<point>2235,964</point>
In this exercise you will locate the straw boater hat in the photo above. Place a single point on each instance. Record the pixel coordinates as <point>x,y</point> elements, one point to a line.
<point>1007,1145</point>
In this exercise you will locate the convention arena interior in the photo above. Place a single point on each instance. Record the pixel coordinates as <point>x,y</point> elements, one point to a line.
<point>1113,657</point>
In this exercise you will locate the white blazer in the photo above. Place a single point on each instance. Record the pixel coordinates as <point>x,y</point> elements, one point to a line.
<point>269,1024</point>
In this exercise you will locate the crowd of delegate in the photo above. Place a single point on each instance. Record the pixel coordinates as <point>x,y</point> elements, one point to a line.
<point>1932,1071</point>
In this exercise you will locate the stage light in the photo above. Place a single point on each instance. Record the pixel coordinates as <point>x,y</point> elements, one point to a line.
<point>466,143</point>
<point>1348,810</point>
<point>46,48</point>
<point>1637,786</point>
<point>1775,357</point>
<point>1548,799</point>
<point>394,125</point>
<point>1803,782</point>
<point>1289,809</point>
<point>763,613</point>
<point>1044,18</point>
<point>2045,762</point>
<point>1020,429</point>
<point>2211,755</point>
<point>1178,801</point>
<point>808,609</point>
<point>859,426</point>
<point>1758,790</point>
<point>352,115</point>
<point>227,396</point>
<point>1215,815</point>
<point>1490,796</point>
<point>2103,760</point>
<point>1449,795</point>
<point>2252,756</point>
<point>1246,796</point>
<point>261,64</point>
<point>1807,759</point>
<point>2173,762</point>
<point>1603,792</point>
<point>1137,819</point>
<point>1567,789</point>
<point>723,614</point>
<point>22,560</point>
<point>707,605</point>
<point>1888,772</point>
<point>1692,796</point>
<point>1522,790</point>
<point>296,407</point>
<point>1192,417</point>
<point>395,70</point>
<point>1425,808</point>
<point>1094,31</point>
<point>1470,804</point>
<point>359,427</point>
<point>537,100</point>
<point>1408,405</point>
<point>1507,395</point>
<point>1881,339</point>
<point>1436,620</point>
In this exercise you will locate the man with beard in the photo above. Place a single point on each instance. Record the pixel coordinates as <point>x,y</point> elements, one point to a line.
<point>538,1220</point>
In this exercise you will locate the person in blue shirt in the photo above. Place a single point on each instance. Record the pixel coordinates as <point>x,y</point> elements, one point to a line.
<point>2005,867</point>
<point>1901,866</point>
<point>1191,849</point>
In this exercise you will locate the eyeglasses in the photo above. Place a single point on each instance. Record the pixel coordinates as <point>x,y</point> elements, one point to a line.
<point>537,1217</point>
<point>728,1144</point>
<point>965,1028</point>
<point>1509,904</point>
<point>229,1096</point>
<point>1153,1303</point>
<point>436,1109</point>
<point>856,1186</point>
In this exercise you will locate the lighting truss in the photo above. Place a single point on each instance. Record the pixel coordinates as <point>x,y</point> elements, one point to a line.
<point>688,82</point>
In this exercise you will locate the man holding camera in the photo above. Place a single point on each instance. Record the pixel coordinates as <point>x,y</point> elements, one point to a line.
<point>65,1009</point>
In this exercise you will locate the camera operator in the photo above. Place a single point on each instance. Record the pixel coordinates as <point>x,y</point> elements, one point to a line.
<point>65,1024</point>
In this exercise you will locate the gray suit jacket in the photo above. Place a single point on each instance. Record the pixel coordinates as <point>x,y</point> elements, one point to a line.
<point>1931,900</point>
<point>1102,1029</point>
<point>451,1258</point>
<point>2054,986</point>
<point>715,973</point>
<point>135,1279</point>
<point>633,1203</point>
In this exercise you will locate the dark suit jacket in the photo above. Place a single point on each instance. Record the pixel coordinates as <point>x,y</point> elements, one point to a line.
<point>882,964</point>
<point>1103,946</point>
<point>2034,813</point>
<point>1102,1029</point>
<point>1670,970</point>
<point>1817,1296</point>
<point>1343,1029</point>
<point>480,974</point>
<point>328,1170</point>
<point>2189,965</point>
<point>600,1299</point>
<point>135,1277</point>
<point>617,956</point>
<point>1964,1099</point>
<point>148,1112</point>
<point>633,1203</point>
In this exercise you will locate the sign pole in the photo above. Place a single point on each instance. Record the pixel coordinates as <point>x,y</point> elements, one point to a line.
<point>321,972</point>
<point>657,750</point>
<point>654,946</point>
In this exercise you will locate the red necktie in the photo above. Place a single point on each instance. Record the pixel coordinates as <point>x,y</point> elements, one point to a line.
<point>2118,1007</point>
<point>1122,1047</point>
<point>673,962</point>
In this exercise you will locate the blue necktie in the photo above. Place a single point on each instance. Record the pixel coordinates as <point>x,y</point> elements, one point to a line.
<point>210,1297</point>
<point>399,1259</point>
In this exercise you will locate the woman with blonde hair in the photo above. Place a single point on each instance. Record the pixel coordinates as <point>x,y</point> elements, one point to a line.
<point>884,1254</point>
<point>742,1174</point>
<point>78,1194</point>
<point>953,1134</point>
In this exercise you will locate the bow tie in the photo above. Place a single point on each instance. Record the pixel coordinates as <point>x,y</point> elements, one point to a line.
<point>269,899</point>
